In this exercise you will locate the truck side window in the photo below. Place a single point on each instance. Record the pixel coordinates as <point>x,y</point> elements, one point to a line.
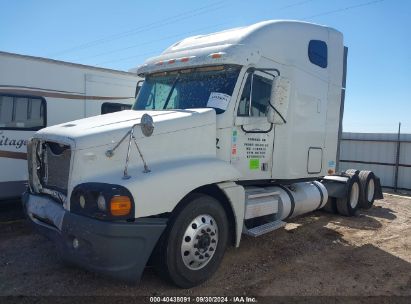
<point>259,89</point>
<point>22,112</point>
<point>110,107</point>
<point>318,53</point>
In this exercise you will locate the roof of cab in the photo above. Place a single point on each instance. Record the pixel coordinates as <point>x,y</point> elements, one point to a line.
<point>240,35</point>
<point>279,40</point>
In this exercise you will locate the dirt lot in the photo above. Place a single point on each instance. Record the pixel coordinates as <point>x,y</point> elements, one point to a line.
<point>318,254</point>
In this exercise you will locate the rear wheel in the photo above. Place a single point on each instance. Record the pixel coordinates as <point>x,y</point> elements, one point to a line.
<point>352,172</point>
<point>367,180</point>
<point>195,242</point>
<point>349,204</point>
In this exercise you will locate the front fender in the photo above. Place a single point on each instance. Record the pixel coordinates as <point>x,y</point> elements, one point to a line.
<point>160,190</point>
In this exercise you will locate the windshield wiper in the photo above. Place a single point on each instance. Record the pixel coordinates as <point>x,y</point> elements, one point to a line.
<point>171,91</point>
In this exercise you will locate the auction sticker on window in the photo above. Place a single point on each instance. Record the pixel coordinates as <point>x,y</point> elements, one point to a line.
<point>218,100</point>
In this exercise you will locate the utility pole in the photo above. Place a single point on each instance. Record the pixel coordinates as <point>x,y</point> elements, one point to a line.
<point>397,160</point>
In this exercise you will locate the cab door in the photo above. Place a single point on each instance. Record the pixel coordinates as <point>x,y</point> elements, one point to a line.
<point>252,135</point>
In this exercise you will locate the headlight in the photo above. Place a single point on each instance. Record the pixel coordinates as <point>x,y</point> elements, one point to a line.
<point>102,201</point>
<point>82,201</point>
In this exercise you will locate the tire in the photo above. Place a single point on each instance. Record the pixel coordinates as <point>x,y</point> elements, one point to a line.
<point>367,181</point>
<point>330,206</point>
<point>197,232</point>
<point>352,172</point>
<point>348,205</point>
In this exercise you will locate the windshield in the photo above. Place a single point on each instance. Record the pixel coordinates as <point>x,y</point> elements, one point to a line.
<point>203,87</point>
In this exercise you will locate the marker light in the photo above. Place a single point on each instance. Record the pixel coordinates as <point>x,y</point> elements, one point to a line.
<point>120,205</point>
<point>171,61</point>
<point>159,63</point>
<point>185,59</point>
<point>216,55</point>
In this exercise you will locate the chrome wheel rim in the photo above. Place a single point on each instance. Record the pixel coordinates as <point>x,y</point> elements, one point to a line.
<point>370,190</point>
<point>355,193</point>
<point>199,242</point>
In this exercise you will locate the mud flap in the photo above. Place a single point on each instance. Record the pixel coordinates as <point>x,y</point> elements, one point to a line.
<point>378,189</point>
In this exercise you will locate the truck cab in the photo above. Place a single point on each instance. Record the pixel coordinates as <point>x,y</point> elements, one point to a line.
<point>231,133</point>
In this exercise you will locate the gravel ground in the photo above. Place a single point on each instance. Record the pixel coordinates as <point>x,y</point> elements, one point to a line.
<point>318,254</point>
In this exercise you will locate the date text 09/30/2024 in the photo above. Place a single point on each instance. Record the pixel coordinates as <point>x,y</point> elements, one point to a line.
<point>206,299</point>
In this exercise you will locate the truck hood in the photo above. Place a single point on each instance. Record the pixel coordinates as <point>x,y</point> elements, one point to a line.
<point>110,128</point>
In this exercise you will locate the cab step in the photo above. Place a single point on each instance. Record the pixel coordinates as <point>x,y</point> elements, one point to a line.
<point>260,230</point>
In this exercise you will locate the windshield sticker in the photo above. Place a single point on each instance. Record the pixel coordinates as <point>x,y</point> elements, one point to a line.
<point>218,100</point>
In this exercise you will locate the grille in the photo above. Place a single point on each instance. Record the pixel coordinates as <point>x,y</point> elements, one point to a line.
<point>56,166</point>
<point>31,144</point>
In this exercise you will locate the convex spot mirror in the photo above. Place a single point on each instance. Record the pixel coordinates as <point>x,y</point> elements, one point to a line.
<point>279,99</point>
<point>147,125</point>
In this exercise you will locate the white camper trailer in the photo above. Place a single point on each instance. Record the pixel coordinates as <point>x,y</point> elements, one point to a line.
<point>38,92</point>
<point>232,133</point>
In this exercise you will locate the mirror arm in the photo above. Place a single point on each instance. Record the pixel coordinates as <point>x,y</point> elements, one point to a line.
<point>146,169</point>
<point>147,127</point>
<point>110,152</point>
<point>125,172</point>
<point>131,137</point>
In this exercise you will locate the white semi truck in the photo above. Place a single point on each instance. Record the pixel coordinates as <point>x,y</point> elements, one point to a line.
<point>231,133</point>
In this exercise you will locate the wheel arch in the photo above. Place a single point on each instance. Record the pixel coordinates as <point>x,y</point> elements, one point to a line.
<point>225,194</point>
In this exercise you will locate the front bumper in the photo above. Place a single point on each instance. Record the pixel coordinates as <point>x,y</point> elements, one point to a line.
<point>120,250</point>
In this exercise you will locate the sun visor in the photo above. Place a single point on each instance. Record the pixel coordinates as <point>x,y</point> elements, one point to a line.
<point>212,55</point>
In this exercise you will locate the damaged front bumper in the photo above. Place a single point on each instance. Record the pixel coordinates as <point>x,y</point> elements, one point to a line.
<point>117,249</point>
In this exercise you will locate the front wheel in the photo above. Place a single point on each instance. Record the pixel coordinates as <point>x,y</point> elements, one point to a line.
<point>195,242</point>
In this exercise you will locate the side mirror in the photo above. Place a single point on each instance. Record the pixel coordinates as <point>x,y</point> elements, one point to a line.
<point>147,125</point>
<point>279,99</point>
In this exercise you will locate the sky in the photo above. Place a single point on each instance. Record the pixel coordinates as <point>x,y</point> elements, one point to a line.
<point>122,34</point>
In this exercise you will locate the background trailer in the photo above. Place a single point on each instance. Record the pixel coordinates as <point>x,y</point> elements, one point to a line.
<point>38,92</point>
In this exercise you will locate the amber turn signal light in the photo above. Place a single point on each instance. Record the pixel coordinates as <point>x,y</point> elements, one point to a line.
<point>120,205</point>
